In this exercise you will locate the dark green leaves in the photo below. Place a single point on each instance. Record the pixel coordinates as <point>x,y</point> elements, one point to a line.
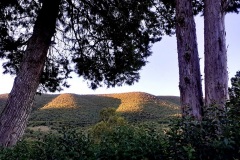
<point>112,39</point>
<point>234,91</point>
<point>233,6</point>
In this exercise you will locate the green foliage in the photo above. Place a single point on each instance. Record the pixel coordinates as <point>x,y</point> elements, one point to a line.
<point>233,6</point>
<point>216,136</point>
<point>234,91</point>
<point>108,41</point>
<point>110,120</point>
<point>114,140</point>
<point>106,113</point>
<point>135,107</point>
<point>68,145</point>
<point>128,142</point>
<point>21,151</point>
<point>171,99</point>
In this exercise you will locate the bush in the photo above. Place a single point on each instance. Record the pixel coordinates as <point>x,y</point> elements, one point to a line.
<point>216,137</point>
<point>112,138</point>
<point>129,142</point>
<point>69,145</point>
<point>106,113</point>
<point>115,138</point>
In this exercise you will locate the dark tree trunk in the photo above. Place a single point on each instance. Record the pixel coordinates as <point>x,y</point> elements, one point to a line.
<point>216,75</point>
<point>14,117</point>
<point>189,68</point>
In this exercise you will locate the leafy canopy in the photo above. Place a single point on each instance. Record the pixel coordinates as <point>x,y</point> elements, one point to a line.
<point>106,42</point>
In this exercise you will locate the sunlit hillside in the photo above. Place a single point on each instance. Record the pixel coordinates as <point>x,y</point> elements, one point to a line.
<point>62,101</point>
<point>132,101</point>
<point>72,109</point>
<point>82,110</point>
<point>144,106</point>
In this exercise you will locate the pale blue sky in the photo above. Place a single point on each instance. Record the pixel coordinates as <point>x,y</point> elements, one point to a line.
<point>160,75</point>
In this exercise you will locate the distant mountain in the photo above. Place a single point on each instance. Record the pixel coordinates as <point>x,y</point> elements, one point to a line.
<point>84,110</point>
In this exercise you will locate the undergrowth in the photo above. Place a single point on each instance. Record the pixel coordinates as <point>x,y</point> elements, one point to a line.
<point>215,138</point>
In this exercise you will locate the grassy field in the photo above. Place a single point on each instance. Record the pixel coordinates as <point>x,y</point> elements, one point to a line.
<point>72,110</point>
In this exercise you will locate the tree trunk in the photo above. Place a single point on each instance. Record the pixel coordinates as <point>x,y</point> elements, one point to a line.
<point>14,117</point>
<point>215,53</point>
<point>189,68</point>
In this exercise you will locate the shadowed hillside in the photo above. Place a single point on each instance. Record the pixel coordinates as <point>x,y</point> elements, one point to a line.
<point>82,110</point>
<point>171,99</point>
<point>39,100</point>
<point>42,100</point>
<point>72,109</point>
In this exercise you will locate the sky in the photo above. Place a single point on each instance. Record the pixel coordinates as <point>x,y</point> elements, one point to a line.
<point>160,75</point>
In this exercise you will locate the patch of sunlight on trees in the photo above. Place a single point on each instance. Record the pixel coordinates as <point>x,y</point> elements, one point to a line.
<point>62,101</point>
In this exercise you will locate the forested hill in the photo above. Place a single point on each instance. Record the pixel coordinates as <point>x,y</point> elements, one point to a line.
<point>84,109</point>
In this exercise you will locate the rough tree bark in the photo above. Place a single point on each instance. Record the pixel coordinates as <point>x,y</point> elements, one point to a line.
<point>215,53</point>
<point>189,68</point>
<point>14,117</point>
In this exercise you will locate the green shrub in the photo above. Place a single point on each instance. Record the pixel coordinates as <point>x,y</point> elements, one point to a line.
<point>112,138</point>
<point>69,145</point>
<point>22,151</point>
<point>106,113</point>
<point>115,138</point>
<point>216,137</point>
